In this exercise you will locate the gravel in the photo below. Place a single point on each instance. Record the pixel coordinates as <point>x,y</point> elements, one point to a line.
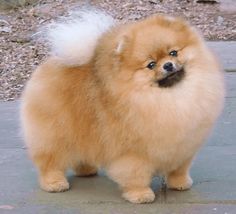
<point>23,46</point>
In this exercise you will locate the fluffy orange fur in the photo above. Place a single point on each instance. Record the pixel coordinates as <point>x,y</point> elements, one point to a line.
<point>112,113</point>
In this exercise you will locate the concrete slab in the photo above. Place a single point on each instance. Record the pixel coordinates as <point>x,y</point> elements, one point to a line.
<point>230,80</point>
<point>226,51</point>
<point>213,172</point>
<point>9,125</point>
<point>227,121</point>
<point>125,208</point>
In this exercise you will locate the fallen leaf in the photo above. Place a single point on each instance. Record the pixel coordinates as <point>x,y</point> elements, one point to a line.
<point>6,207</point>
<point>5,29</point>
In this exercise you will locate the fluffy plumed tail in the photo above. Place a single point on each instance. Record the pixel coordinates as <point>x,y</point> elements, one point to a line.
<point>74,40</point>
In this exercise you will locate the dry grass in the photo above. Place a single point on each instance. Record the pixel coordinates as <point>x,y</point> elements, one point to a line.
<point>21,50</point>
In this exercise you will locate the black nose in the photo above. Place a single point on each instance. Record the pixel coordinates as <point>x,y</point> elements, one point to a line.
<point>168,66</point>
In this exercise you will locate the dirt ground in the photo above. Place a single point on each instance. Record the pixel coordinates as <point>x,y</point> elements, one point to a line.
<point>22,46</point>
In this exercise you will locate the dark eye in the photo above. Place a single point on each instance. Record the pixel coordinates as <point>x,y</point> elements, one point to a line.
<point>173,53</point>
<point>151,65</point>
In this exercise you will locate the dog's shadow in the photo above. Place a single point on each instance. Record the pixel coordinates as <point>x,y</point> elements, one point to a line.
<point>96,189</point>
<point>93,185</point>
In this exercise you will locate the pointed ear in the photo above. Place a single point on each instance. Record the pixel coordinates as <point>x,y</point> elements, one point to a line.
<point>122,44</point>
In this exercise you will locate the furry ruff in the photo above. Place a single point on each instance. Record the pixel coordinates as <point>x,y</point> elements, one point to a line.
<point>74,39</point>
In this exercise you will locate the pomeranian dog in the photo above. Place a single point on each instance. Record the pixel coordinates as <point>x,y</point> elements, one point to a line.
<point>135,99</point>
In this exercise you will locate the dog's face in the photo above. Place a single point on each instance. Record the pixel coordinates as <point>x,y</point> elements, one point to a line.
<point>156,52</point>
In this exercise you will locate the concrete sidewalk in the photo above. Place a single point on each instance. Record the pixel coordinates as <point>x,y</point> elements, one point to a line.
<point>213,172</point>
<point>226,51</point>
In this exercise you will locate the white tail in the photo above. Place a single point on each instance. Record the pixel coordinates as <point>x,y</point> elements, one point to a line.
<point>75,40</point>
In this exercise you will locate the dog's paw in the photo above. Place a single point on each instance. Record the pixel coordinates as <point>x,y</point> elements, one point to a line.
<point>139,196</point>
<point>55,186</point>
<point>179,182</point>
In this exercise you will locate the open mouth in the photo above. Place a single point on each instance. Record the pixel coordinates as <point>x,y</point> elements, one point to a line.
<point>171,79</point>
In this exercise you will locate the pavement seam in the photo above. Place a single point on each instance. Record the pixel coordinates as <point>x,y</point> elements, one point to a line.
<point>230,202</point>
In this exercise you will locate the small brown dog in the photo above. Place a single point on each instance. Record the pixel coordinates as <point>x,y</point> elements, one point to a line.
<point>135,98</point>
